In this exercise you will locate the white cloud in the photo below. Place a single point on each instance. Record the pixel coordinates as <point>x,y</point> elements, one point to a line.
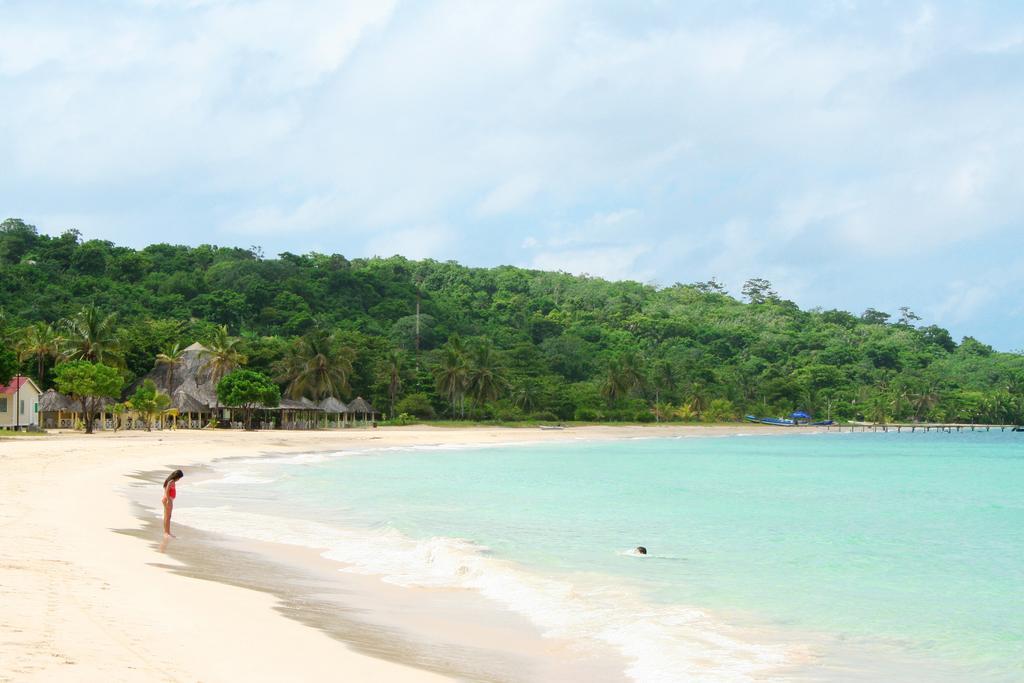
<point>782,143</point>
<point>613,262</point>
<point>415,243</point>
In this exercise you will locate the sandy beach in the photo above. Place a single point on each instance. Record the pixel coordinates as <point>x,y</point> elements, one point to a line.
<point>85,600</point>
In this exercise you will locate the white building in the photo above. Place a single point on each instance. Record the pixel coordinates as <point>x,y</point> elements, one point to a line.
<point>19,403</point>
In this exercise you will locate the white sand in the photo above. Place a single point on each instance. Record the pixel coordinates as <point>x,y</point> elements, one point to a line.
<point>80,602</point>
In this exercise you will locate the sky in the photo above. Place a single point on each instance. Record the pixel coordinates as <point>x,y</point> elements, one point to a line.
<point>855,154</point>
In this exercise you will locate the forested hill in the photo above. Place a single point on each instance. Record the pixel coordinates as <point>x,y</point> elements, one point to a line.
<point>504,342</point>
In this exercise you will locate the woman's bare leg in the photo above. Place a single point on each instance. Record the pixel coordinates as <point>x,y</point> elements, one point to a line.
<point>168,506</point>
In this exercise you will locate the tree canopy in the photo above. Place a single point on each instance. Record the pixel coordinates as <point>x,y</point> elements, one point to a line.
<point>90,383</point>
<point>247,390</point>
<point>493,343</point>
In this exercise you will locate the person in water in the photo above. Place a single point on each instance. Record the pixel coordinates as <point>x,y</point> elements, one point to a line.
<point>170,493</point>
<point>640,550</point>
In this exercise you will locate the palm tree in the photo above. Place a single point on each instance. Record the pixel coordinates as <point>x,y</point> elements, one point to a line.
<point>392,372</point>
<point>91,336</point>
<point>315,367</point>
<point>450,375</point>
<point>632,372</point>
<point>526,395</point>
<point>665,379</point>
<point>42,341</point>
<point>172,356</point>
<point>486,378</point>
<point>222,356</point>
<point>613,385</point>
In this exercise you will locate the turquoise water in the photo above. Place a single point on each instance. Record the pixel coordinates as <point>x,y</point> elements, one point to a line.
<point>907,545</point>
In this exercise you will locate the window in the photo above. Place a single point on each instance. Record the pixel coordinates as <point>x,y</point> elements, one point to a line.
<point>3,404</point>
<point>21,407</point>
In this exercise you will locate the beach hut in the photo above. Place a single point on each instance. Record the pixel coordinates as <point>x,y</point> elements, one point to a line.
<point>189,384</point>
<point>332,407</point>
<point>19,403</point>
<point>361,407</point>
<point>298,414</point>
<point>57,411</point>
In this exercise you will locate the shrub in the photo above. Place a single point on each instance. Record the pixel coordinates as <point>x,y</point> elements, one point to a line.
<point>588,415</point>
<point>720,410</point>
<point>417,405</point>
<point>509,414</point>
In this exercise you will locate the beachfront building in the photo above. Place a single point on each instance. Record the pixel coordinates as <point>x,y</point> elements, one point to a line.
<point>335,413</point>
<point>191,386</point>
<point>19,403</point>
<point>57,411</point>
<point>193,391</point>
<point>361,408</point>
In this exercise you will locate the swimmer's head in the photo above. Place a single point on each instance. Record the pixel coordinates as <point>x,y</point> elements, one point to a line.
<point>640,550</point>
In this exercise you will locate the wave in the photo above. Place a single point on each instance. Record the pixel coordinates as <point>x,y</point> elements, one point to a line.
<point>661,642</point>
<point>235,477</point>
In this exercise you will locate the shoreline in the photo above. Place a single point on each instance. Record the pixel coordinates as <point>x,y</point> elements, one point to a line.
<point>84,603</point>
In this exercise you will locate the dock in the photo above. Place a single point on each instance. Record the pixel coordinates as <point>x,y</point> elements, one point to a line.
<point>920,427</point>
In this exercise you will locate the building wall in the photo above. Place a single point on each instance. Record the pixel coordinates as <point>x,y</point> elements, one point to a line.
<point>29,408</point>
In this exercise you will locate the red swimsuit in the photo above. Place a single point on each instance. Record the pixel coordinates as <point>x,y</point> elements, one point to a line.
<point>171,492</point>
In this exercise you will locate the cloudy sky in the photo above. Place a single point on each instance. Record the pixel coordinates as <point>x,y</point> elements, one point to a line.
<point>856,154</point>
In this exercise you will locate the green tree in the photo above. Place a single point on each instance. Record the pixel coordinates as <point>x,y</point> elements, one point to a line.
<point>148,402</point>
<point>720,410</point>
<point>90,383</point>
<point>248,390</point>
<point>416,404</point>
<point>91,335</point>
<point>42,341</point>
<point>391,371</point>
<point>171,357</point>
<point>222,356</point>
<point>451,376</point>
<point>758,291</point>
<point>485,380</point>
<point>8,364</point>
<point>316,366</point>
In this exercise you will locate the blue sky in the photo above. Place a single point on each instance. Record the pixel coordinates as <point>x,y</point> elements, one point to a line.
<point>855,154</point>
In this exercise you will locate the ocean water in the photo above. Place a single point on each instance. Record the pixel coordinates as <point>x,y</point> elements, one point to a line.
<point>799,557</point>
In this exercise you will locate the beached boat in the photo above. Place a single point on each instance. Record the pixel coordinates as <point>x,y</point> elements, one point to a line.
<point>794,420</point>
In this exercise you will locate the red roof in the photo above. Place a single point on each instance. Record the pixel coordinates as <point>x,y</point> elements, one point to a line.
<point>14,385</point>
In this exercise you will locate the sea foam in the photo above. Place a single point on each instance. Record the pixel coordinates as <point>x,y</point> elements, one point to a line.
<point>661,642</point>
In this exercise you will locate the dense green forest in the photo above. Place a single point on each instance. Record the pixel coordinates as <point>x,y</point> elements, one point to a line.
<point>491,343</point>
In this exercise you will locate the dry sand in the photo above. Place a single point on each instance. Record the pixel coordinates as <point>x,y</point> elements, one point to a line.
<point>81,602</point>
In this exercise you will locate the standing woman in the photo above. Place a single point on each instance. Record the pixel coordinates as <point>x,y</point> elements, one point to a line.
<point>170,492</point>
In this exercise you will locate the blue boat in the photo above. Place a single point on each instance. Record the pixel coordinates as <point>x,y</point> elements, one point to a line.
<point>794,420</point>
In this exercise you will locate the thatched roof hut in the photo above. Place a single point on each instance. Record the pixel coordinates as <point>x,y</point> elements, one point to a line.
<point>360,406</point>
<point>189,383</point>
<point>301,404</point>
<point>52,401</point>
<point>333,406</point>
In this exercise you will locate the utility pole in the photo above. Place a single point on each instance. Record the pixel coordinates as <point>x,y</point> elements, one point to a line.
<point>17,403</point>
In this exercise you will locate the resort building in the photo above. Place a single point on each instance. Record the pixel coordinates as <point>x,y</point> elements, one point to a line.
<point>19,403</point>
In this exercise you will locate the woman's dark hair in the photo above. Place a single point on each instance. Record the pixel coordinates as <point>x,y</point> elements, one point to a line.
<point>174,476</point>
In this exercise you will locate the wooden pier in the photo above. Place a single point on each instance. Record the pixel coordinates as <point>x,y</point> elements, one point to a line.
<point>920,427</point>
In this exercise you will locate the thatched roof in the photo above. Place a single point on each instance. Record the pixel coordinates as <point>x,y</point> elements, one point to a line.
<point>52,401</point>
<point>187,404</point>
<point>333,405</point>
<point>361,406</point>
<point>190,384</point>
<point>301,404</point>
